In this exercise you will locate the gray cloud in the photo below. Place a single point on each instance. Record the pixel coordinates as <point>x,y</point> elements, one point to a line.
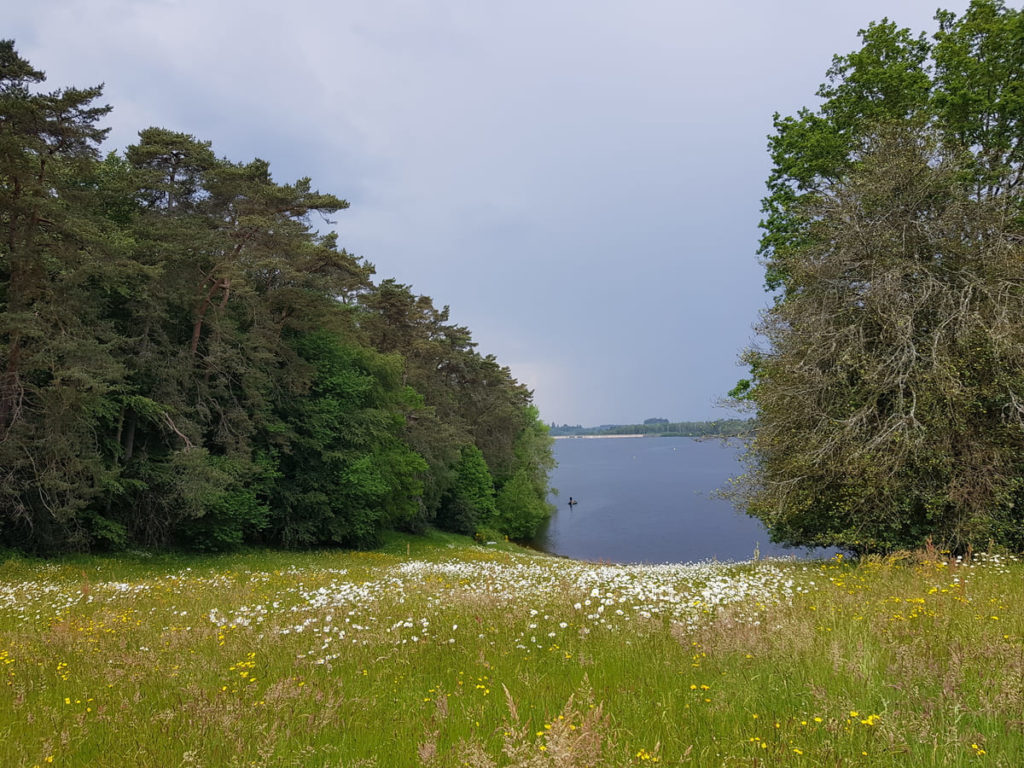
<point>580,180</point>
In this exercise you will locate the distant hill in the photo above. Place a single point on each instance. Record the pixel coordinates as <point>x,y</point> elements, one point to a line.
<point>659,428</point>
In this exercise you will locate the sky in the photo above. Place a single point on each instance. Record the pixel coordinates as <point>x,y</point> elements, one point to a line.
<point>580,180</point>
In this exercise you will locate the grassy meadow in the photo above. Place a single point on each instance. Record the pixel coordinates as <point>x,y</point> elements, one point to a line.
<point>440,652</point>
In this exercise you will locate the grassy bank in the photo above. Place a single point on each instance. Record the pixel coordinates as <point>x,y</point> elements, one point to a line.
<point>443,653</point>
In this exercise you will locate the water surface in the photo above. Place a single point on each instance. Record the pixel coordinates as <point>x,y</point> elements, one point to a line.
<point>649,500</point>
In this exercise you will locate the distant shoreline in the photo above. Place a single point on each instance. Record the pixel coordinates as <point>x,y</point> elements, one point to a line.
<point>593,437</point>
<point>658,428</point>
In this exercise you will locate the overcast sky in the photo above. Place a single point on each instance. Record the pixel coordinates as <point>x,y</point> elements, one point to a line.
<point>579,180</point>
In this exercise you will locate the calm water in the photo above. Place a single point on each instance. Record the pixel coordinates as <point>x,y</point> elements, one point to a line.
<point>648,500</point>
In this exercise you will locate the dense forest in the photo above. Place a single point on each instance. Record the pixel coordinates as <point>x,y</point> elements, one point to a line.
<point>661,428</point>
<point>185,360</point>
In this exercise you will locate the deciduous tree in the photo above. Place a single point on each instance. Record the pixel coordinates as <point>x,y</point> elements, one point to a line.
<point>889,385</point>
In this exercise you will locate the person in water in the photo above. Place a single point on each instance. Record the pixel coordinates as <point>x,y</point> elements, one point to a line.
<point>572,501</point>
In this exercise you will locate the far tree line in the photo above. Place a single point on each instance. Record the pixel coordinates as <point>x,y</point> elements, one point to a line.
<point>659,427</point>
<point>186,361</point>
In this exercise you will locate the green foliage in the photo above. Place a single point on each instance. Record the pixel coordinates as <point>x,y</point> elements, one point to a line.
<point>345,474</point>
<point>522,504</point>
<point>58,356</point>
<point>888,389</point>
<point>978,100</point>
<point>521,509</point>
<point>469,502</point>
<point>185,361</point>
<point>885,80</point>
<point>231,512</point>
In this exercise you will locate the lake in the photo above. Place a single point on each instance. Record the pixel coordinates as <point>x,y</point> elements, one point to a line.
<point>649,500</point>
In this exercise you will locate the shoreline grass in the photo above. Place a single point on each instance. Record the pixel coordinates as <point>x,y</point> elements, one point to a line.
<point>440,652</point>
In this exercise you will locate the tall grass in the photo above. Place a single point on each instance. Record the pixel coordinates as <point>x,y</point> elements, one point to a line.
<point>445,653</point>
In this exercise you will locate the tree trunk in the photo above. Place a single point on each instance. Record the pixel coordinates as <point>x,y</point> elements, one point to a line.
<point>129,443</point>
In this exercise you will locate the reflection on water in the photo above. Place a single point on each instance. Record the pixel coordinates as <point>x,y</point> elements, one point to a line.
<point>649,500</point>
